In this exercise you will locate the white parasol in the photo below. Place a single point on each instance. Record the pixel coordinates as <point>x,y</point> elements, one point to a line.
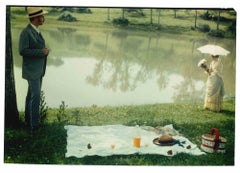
<point>213,50</point>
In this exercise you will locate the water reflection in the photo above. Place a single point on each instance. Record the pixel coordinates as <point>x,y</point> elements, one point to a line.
<point>113,67</point>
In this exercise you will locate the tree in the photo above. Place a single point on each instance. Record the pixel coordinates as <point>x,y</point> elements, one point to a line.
<point>108,14</point>
<point>218,19</point>
<point>151,16</point>
<point>175,13</point>
<point>11,111</point>
<point>123,13</point>
<point>159,13</point>
<point>196,15</point>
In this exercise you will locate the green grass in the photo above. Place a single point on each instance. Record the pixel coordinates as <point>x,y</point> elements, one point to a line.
<point>182,24</point>
<point>49,144</point>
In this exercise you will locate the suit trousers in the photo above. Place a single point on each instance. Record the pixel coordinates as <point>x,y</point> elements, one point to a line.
<point>32,103</point>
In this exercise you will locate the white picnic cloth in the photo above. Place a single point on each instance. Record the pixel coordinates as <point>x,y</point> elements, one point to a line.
<point>102,138</point>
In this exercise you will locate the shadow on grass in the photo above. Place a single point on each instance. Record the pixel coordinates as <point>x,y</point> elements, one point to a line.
<point>227,112</point>
<point>153,160</point>
<point>48,146</point>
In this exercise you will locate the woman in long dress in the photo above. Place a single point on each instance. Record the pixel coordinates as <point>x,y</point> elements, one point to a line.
<point>214,86</point>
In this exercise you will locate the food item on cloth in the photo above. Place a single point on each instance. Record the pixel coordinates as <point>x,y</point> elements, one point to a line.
<point>89,146</point>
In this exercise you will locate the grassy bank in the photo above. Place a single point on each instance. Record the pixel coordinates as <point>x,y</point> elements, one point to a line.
<point>173,21</point>
<point>49,144</point>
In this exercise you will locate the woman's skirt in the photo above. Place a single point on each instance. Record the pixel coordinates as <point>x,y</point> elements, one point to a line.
<point>214,93</point>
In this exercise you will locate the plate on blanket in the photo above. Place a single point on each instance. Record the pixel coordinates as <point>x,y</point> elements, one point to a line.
<point>171,143</point>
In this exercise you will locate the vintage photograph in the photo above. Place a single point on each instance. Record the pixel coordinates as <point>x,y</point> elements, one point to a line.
<point>120,86</point>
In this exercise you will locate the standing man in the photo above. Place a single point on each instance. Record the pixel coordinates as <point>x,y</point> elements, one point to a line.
<point>34,52</point>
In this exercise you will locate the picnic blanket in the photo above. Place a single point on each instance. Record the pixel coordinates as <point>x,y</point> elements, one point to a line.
<point>118,140</point>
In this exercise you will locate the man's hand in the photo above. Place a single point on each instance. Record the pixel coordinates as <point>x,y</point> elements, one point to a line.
<point>45,51</point>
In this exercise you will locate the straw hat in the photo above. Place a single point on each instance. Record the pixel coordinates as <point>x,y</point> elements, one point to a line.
<point>164,140</point>
<point>35,11</point>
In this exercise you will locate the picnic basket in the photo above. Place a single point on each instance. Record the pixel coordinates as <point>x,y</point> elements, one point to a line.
<point>213,142</point>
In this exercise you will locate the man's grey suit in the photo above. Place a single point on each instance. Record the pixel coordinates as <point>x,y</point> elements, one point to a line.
<point>31,45</point>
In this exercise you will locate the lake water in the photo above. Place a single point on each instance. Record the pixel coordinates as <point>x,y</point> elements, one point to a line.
<point>118,67</point>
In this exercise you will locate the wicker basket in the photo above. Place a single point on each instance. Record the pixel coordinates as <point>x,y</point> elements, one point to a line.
<point>212,142</point>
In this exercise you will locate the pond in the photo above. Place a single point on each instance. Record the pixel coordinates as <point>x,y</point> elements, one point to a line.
<point>117,67</point>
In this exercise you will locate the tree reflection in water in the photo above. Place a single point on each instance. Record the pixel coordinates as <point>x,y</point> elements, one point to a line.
<point>126,60</point>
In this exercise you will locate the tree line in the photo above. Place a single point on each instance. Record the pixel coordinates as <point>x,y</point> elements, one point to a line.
<point>209,14</point>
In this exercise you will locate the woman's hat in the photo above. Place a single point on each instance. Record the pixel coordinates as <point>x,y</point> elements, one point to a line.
<point>35,11</point>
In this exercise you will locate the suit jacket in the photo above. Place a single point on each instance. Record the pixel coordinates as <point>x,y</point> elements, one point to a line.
<point>31,46</point>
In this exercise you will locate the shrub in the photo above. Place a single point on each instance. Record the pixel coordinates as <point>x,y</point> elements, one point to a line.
<point>83,10</point>
<point>135,12</point>
<point>232,27</point>
<point>207,16</point>
<point>61,115</point>
<point>67,9</point>
<point>204,28</point>
<point>217,33</point>
<point>67,16</point>
<point>43,109</point>
<point>121,21</point>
